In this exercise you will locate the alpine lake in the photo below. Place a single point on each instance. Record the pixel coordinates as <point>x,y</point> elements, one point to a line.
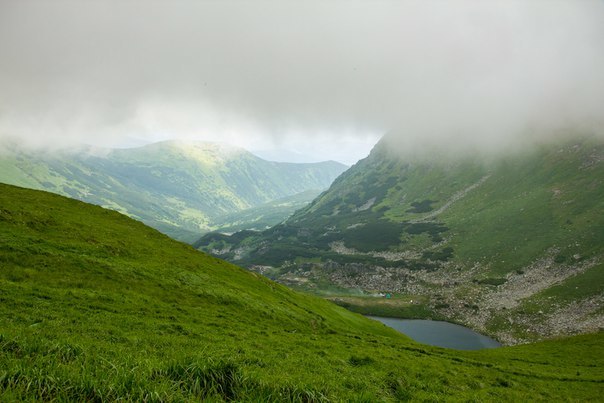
<point>439,333</point>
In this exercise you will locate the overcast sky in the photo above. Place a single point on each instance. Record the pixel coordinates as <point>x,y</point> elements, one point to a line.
<point>320,79</point>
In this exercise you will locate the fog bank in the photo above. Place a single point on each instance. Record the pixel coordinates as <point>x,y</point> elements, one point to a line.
<point>301,76</point>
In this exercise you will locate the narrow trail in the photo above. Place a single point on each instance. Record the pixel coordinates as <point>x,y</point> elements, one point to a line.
<point>456,197</point>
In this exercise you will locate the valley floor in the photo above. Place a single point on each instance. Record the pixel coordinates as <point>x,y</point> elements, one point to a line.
<point>524,306</point>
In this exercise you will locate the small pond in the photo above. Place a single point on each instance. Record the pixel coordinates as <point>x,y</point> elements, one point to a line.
<point>442,334</point>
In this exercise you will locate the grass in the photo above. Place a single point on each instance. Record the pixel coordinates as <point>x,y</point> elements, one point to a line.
<point>263,216</point>
<point>501,216</point>
<point>176,188</point>
<point>95,306</point>
<point>588,284</point>
<point>557,205</point>
<point>403,307</point>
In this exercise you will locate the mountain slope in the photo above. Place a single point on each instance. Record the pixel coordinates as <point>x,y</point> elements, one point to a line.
<point>96,306</point>
<point>265,215</point>
<point>173,186</point>
<point>511,246</point>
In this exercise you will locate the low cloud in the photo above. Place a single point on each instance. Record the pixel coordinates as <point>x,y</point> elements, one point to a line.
<point>472,74</point>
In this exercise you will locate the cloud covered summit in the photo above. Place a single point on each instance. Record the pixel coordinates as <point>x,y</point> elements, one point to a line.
<point>283,74</point>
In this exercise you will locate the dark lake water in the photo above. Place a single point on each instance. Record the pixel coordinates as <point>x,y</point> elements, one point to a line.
<point>442,334</point>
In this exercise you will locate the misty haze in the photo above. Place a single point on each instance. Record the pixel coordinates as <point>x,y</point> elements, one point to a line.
<point>301,201</point>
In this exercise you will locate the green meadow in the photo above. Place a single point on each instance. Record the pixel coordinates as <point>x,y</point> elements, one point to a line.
<point>95,306</point>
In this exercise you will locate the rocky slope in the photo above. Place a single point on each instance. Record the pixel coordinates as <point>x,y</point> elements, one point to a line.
<point>512,246</point>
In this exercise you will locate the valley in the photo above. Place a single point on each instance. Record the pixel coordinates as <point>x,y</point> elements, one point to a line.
<point>97,306</point>
<point>301,201</point>
<point>182,189</point>
<point>510,247</point>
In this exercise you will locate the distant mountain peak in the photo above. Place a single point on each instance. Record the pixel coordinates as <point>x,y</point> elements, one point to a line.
<point>174,185</point>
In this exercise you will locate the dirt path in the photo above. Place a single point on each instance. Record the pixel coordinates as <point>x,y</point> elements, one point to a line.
<point>457,196</point>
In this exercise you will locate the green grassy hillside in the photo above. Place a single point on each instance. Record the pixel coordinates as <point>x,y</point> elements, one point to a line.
<point>512,246</point>
<point>178,188</point>
<point>98,307</point>
<point>265,215</point>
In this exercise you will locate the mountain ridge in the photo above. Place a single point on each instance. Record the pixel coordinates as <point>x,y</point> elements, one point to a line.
<point>173,186</point>
<point>462,235</point>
